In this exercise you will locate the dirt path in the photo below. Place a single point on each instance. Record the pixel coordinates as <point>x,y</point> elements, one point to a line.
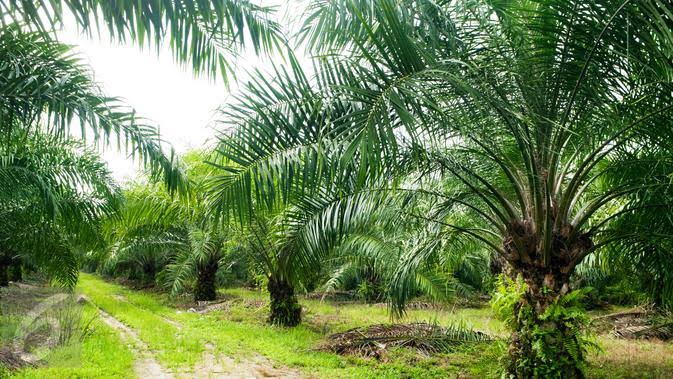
<point>213,366</point>
<point>145,365</point>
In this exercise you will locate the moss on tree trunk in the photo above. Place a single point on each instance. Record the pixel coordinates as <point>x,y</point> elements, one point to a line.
<point>548,337</point>
<point>206,281</point>
<point>285,308</point>
<point>547,340</point>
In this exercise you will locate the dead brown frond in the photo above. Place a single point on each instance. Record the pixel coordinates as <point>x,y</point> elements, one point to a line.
<point>427,338</point>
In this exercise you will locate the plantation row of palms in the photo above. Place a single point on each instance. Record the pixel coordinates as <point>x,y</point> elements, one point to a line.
<point>426,148</point>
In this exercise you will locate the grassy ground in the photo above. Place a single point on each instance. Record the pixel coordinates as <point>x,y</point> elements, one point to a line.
<point>94,350</point>
<point>178,338</point>
<point>100,355</point>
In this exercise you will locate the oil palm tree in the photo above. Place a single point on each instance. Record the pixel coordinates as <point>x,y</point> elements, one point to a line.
<point>288,240</point>
<point>159,238</point>
<point>45,88</point>
<point>53,195</point>
<point>289,245</point>
<point>527,106</point>
<point>197,262</point>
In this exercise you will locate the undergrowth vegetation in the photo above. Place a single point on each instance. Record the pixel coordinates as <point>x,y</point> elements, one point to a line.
<point>397,156</point>
<point>236,329</point>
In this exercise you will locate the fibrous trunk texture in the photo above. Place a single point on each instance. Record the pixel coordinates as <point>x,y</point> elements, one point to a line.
<point>285,308</point>
<point>545,344</point>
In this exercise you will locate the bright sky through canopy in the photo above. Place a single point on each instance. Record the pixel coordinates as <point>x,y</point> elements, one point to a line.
<point>159,89</point>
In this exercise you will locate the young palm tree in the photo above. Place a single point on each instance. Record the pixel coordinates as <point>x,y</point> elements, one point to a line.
<point>525,106</point>
<point>198,260</point>
<point>290,244</point>
<point>289,239</point>
<point>156,237</point>
<point>265,244</point>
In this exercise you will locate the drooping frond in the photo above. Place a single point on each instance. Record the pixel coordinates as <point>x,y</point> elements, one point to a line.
<point>53,194</point>
<point>46,88</point>
<point>205,33</point>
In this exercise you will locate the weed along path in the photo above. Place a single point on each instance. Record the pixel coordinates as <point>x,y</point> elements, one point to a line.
<point>170,344</point>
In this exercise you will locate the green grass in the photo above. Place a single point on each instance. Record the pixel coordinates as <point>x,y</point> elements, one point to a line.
<point>100,355</point>
<point>153,321</point>
<point>632,359</point>
<point>241,332</point>
<point>178,337</point>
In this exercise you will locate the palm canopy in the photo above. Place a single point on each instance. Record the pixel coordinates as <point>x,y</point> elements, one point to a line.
<point>540,116</point>
<point>536,92</point>
<point>53,195</point>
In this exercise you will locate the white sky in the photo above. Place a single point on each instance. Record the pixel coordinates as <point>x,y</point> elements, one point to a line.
<point>160,90</point>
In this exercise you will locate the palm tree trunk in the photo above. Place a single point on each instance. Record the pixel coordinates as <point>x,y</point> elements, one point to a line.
<point>5,262</point>
<point>547,340</point>
<point>285,308</point>
<point>543,345</point>
<point>4,277</point>
<point>15,273</point>
<point>206,281</point>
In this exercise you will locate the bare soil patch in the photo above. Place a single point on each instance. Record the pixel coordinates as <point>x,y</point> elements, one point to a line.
<point>217,366</point>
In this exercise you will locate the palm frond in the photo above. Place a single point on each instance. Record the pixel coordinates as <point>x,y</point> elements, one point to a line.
<point>205,33</point>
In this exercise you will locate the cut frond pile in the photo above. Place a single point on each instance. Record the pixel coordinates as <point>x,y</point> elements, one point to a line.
<point>637,323</point>
<point>374,340</point>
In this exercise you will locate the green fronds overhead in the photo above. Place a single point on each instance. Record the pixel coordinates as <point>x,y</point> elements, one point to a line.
<point>206,34</point>
<point>53,194</point>
<point>45,87</point>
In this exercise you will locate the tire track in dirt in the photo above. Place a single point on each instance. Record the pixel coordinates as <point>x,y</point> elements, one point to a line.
<point>145,365</point>
<point>211,365</point>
